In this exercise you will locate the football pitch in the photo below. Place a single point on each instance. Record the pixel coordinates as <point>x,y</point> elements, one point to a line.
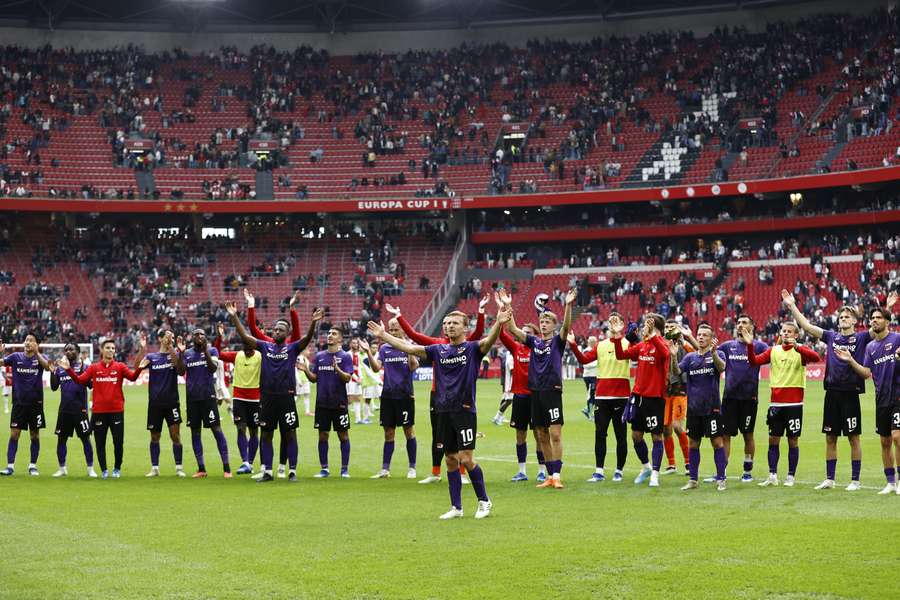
<point>359,538</point>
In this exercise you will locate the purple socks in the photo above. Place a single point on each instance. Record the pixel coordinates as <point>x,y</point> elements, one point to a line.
<point>889,475</point>
<point>657,454</point>
<point>222,443</point>
<point>177,453</point>
<point>35,450</point>
<point>694,458</point>
<point>521,453</point>
<point>197,445</point>
<point>11,448</point>
<point>154,453</point>
<point>242,445</point>
<point>793,459</point>
<point>721,462</point>
<point>477,479</point>
<point>61,451</point>
<point>855,467</point>
<point>640,448</point>
<point>386,455</point>
<point>88,451</point>
<point>830,468</point>
<point>252,447</point>
<point>293,452</point>
<point>748,465</point>
<point>454,479</point>
<point>323,454</point>
<point>411,447</point>
<point>774,455</point>
<point>540,457</point>
<point>266,454</point>
<point>345,455</point>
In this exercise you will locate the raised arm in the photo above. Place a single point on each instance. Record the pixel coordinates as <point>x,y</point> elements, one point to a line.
<point>313,329</point>
<point>142,351</point>
<point>220,335</point>
<point>232,316</point>
<point>479,323</point>
<point>788,299</point>
<point>582,357</point>
<point>132,374</point>
<point>343,375</point>
<point>571,296</point>
<point>718,362</point>
<point>81,378</point>
<point>862,371</point>
<point>295,319</point>
<point>808,355</point>
<point>486,343</point>
<point>45,364</point>
<point>177,356</point>
<point>313,377</point>
<point>211,365</point>
<point>373,359</point>
<point>377,329</point>
<point>411,333</point>
<point>689,338</point>
<point>507,340</point>
<point>54,380</point>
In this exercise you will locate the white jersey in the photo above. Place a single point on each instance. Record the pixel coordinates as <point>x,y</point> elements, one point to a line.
<point>588,369</point>
<point>509,363</point>
<point>219,382</point>
<point>303,386</point>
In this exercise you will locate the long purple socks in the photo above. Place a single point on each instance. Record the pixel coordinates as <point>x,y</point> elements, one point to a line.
<point>11,448</point>
<point>197,445</point>
<point>477,479</point>
<point>61,451</point>
<point>774,455</point>
<point>222,443</point>
<point>830,468</point>
<point>657,454</point>
<point>694,467</point>
<point>242,445</point>
<point>889,475</point>
<point>411,448</point>
<point>154,453</point>
<point>88,451</point>
<point>521,453</point>
<point>266,453</point>
<point>35,450</point>
<point>323,454</point>
<point>252,447</point>
<point>640,448</point>
<point>177,452</point>
<point>793,459</point>
<point>855,467</point>
<point>454,479</point>
<point>720,460</point>
<point>345,455</point>
<point>293,452</point>
<point>386,455</point>
<point>540,457</point>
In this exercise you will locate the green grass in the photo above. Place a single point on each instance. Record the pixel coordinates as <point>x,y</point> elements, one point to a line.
<point>139,538</point>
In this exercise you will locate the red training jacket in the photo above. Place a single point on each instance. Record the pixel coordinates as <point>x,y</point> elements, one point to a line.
<point>652,358</point>
<point>107,381</point>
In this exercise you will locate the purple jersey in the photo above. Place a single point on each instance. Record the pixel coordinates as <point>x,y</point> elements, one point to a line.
<point>397,376</point>
<point>702,382</point>
<point>28,386</point>
<point>72,396</point>
<point>838,374</point>
<point>200,383</point>
<point>885,374</point>
<point>741,378</point>
<point>545,367</point>
<point>456,371</point>
<point>331,391</point>
<point>277,374</point>
<point>163,383</point>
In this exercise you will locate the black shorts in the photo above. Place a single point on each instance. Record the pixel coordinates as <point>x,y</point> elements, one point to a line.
<point>157,414</point>
<point>785,420</point>
<point>456,431</point>
<point>546,408</point>
<point>591,384</point>
<point>842,414</point>
<point>649,415</point>
<point>397,412</point>
<point>27,416</point>
<point>607,410</point>
<point>739,415</point>
<point>205,412</point>
<point>327,419</point>
<point>245,412</point>
<point>887,419</point>
<point>104,421</point>
<point>278,409</point>
<point>69,424</point>
<point>701,426</point>
<point>521,412</point>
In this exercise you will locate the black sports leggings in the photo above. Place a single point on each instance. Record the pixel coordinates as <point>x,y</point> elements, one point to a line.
<point>114,422</point>
<point>606,412</point>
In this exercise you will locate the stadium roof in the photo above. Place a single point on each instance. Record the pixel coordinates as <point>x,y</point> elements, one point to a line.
<point>340,15</point>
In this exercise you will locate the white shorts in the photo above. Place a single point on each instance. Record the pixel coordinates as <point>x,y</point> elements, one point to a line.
<point>370,391</point>
<point>354,389</point>
<point>303,389</point>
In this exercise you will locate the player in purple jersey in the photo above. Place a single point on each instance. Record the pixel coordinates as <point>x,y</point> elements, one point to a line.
<point>198,364</point>
<point>740,401</point>
<point>398,406</point>
<point>701,370</point>
<point>164,405</point>
<point>882,365</point>
<point>842,414</point>
<point>73,415</point>
<point>28,401</point>
<point>545,382</point>
<point>331,370</point>
<point>456,371</point>
<point>277,384</point>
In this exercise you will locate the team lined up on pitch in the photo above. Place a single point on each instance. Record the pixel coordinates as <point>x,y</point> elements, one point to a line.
<point>675,390</point>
